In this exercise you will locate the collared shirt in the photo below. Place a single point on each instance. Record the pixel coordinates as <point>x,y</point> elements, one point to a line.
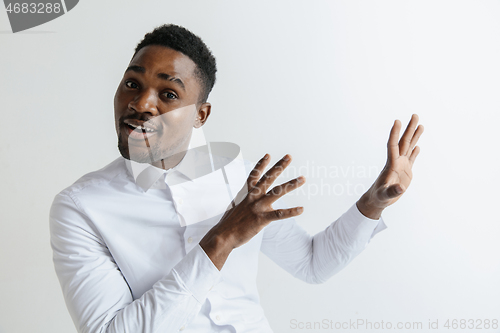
<point>125,249</point>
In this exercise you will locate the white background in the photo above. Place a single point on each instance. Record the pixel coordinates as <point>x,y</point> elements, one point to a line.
<point>321,80</point>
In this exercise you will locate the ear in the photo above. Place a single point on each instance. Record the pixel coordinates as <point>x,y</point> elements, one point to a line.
<point>202,114</point>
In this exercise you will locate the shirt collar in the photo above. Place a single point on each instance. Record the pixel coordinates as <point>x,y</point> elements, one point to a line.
<point>146,175</point>
<point>195,163</point>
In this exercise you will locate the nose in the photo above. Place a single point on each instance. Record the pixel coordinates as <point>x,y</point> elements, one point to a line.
<point>145,102</point>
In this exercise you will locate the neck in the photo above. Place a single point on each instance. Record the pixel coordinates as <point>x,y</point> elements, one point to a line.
<point>169,162</point>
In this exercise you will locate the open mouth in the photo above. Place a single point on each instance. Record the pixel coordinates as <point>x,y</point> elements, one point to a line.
<point>139,132</point>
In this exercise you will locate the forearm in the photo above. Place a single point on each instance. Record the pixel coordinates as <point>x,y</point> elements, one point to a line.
<point>173,302</point>
<point>315,259</point>
<point>100,301</point>
<point>368,208</point>
<point>216,247</point>
<point>97,295</point>
<point>165,307</point>
<point>336,246</point>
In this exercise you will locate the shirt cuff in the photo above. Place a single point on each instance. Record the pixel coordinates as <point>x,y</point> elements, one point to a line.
<point>365,224</point>
<point>198,273</point>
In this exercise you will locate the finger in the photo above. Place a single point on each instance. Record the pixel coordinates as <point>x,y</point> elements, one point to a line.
<point>392,144</point>
<point>391,192</point>
<point>414,155</point>
<point>280,190</point>
<point>404,143</point>
<point>281,214</point>
<point>414,139</point>
<point>270,176</point>
<point>257,171</point>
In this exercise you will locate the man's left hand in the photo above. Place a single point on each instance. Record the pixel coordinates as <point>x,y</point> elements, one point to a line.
<point>396,176</point>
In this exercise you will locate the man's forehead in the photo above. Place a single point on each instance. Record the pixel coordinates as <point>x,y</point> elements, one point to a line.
<point>163,59</point>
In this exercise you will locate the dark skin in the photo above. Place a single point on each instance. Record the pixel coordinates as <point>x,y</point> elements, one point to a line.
<point>159,87</point>
<point>396,176</point>
<point>161,83</point>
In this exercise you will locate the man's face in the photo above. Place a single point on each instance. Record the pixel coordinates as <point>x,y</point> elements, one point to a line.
<point>156,105</point>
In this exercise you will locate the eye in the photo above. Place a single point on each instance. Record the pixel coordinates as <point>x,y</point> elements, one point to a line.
<point>131,84</point>
<point>169,95</point>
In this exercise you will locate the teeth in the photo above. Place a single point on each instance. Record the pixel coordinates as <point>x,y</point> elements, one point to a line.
<point>147,129</point>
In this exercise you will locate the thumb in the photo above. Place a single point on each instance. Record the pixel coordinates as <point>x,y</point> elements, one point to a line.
<point>393,191</point>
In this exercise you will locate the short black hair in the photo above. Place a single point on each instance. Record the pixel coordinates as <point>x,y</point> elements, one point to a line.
<point>182,40</point>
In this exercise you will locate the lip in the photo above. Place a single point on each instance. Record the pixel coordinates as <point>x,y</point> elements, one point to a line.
<point>138,134</point>
<point>137,130</point>
<point>148,125</point>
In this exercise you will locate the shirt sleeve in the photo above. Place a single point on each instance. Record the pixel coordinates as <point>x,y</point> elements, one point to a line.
<point>96,293</point>
<point>316,259</point>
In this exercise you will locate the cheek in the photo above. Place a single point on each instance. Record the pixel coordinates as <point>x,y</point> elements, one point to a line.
<point>118,100</point>
<point>120,105</point>
<point>179,121</point>
<point>116,110</point>
<point>116,104</point>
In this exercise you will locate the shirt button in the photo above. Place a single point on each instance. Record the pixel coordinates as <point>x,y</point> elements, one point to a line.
<point>190,240</point>
<point>217,317</point>
<point>182,328</point>
<point>180,201</point>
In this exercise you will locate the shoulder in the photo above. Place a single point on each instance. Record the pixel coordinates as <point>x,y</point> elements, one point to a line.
<point>69,217</point>
<point>116,170</point>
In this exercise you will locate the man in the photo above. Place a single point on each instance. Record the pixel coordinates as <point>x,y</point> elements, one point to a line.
<point>138,245</point>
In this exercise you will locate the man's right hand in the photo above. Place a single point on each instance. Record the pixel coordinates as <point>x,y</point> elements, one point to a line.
<point>253,213</point>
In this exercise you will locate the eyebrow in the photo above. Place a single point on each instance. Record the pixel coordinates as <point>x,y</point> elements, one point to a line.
<point>163,76</point>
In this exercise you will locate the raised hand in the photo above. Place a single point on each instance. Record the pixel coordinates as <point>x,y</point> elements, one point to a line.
<point>396,176</point>
<point>252,213</point>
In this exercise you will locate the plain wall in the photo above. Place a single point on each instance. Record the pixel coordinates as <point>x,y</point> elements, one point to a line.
<point>321,80</point>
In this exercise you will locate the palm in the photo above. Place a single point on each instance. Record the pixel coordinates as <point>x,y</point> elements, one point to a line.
<point>396,176</point>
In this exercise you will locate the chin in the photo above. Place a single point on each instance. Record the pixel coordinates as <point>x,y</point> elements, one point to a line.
<point>145,154</point>
<point>136,156</point>
<point>141,153</point>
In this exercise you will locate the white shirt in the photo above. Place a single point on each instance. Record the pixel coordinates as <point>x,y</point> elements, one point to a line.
<point>126,252</point>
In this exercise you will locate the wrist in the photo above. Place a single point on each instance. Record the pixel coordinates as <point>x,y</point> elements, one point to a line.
<point>217,248</point>
<point>366,207</point>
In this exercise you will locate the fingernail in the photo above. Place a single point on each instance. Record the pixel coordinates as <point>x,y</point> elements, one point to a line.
<point>301,179</point>
<point>300,209</point>
<point>399,190</point>
<point>266,156</point>
<point>286,158</point>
